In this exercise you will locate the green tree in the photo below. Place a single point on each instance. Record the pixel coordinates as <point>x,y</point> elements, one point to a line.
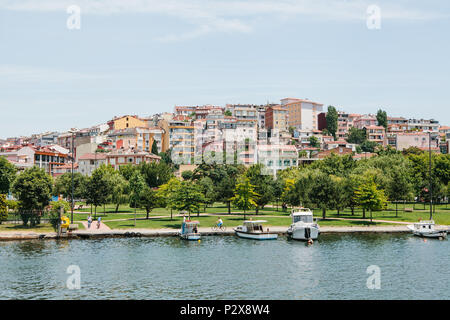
<point>314,142</point>
<point>137,186</point>
<point>156,174</point>
<point>369,146</point>
<point>244,195</point>
<point>208,190</point>
<point>63,186</point>
<point>321,193</point>
<point>263,185</point>
<point>400,186</point>
<point>118,187</point>
<point>382,118</point>
<point>148,200</point>
<point>98,188</point>
<point>187,175</point>
<point>356,135</point>
<point>188,197</point>
<point>33,189</point>
<point>155,147</point>
<point>369,197</point>
<point>166,194</point>
<point>228,113</point>
<point>332,121</point>
<point>7,175</point>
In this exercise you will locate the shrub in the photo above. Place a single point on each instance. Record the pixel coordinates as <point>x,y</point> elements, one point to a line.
<point>3,208</point>
<point>12,205</point>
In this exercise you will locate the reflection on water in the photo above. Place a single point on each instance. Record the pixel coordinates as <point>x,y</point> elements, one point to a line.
<point>227,268</point>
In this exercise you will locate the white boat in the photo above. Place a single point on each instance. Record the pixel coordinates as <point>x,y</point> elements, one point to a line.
<point>303,226</point>
<point>254,230</point>
<point>189,230</point>
<point>425,228</point>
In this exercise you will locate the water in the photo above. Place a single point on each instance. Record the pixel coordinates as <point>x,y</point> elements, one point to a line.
<point>227,268</point>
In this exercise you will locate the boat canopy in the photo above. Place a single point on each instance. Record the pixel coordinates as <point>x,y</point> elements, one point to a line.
<point>255,221</point>
<point>191,222</point>
<point>425,222</point>
<point>302,212</point>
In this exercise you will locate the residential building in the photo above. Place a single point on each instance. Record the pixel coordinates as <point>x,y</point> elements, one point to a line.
<point>126,157</point>
<point>126,122</point>
<point>376,134</point>
<point>277,157</point>
<point>90,161</point>
<point>365,120</point>
<point>302,113</point>
<point>182,143</point>
<point>419,140</point>
<point>423,125</point>
<point>276,118</point>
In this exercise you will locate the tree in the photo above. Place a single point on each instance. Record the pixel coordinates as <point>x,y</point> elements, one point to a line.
<point>7,175</point>
<point>207,187</point>
<point>370,198</point>
<point>332,120</point>
<point>148,200</point>
<point>228,113</point>
<point>188,197</point>
<point>119,188</point>
<point>63,186</point>
<point>368,146</point>
<point>244,195</point>
<point>287,195</point>
<point>263,185</point>
<point>187,175</point>
<point>154,147</point>
<point>321,193</point>
<point>155,174</point>
<point>356,135</point>
<point>400,186</point>
<point>137,185</point>
<point>98,188</point>
<point>314,142</point>
<point>33,189</point>
<point>166,194</point>
<point>382,118</point>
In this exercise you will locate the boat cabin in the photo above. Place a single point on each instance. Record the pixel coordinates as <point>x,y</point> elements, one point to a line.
<point>254,226</point>
<point>424,225</point>
<point>302,215</point>
<point>189,227</point>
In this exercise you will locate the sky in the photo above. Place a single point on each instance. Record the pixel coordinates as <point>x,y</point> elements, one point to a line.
<point>146,56</point>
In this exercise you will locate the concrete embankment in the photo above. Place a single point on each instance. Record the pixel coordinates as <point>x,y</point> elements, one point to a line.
<point>95,234</point>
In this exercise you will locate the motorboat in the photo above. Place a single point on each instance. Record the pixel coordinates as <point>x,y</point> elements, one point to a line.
<point>189,230</point>
<point>254,230</point>
<point>303,226</point>
<point>425,228</point>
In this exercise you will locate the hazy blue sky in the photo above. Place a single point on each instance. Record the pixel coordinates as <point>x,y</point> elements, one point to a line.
<point>143,57</point>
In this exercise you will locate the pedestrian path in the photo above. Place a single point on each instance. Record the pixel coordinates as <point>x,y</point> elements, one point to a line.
<point>93,228</point>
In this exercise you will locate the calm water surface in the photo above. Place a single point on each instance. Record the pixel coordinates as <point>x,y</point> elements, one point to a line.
<point>227,268</point>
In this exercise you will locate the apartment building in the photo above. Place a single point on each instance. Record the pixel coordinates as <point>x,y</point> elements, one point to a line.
<point>89,162</point>
<point>365,120</point>
<point>120,158</point>
<point>126,122</point>
<point>376,134</point>
<point>423,125</point>
<point>277,118</point>
<point>302,114</point>
<point>277,157</point>
<point>419,140</point>
<point>182,142</point>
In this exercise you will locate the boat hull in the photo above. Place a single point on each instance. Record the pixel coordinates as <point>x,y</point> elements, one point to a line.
<point>303,233</point>
<point>256,236</point>
<point>190,236</point>
<point>435,235</point>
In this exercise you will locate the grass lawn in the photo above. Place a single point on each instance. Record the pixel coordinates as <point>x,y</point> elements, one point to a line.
<point>44,227</point>
<point>229,221</point>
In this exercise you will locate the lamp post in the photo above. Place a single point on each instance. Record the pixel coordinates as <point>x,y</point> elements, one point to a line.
<point>73,131</point>
<point>429,172</point>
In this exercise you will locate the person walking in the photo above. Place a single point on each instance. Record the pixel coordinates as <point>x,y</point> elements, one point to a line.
<point>99,221</point>
<point>89,221</point>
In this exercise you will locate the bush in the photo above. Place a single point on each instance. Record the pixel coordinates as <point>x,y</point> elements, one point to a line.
<point>55,206</point>
<point>33,217</point>
<point>3,208</point>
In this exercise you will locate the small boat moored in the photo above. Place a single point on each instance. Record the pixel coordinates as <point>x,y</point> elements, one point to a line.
<point>189,230</point>
<point>303,226</point>
<point>425,228</point>
<point>254,230</point>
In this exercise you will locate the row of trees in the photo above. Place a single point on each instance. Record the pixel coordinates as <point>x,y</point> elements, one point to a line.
<point>336,182</point>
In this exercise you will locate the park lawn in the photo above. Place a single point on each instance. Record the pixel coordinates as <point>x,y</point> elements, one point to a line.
<point>229,222</point>
<point>441,216</point>
<point>42,228</point>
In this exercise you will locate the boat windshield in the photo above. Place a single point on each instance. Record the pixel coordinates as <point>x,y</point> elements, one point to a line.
<point>303,218</point>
